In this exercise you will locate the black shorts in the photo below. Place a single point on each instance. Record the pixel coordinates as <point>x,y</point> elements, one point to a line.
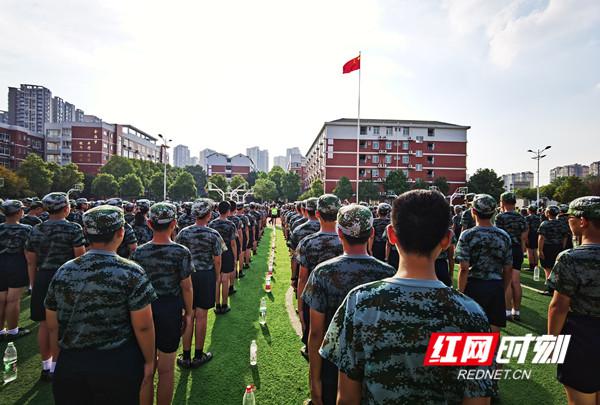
<point>99,376</point>
<point>38,294</point>
<point>205,289</point>
<point>441,271</point>
<point>13,271</point>
<point>238,246</point>
<point>244,242</point>
<point>532,241</point>
<point>550,254</point>
<point>379,250</point>
<point>227,263</point>
<point>250,238</point>
<point>168,320</point>
<point>489,294</point>
<point>582,362</point>
<point>517,255</point>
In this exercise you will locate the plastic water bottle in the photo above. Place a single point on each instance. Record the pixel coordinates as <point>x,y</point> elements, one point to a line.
<point>249,396</point>
<point>268,284</point>
<point>10,363</point>
<point>253,353</point>
<point>263,311</point>
<point>536,273</point>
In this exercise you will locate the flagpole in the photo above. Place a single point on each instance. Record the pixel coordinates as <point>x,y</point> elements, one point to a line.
<point>358,134</point>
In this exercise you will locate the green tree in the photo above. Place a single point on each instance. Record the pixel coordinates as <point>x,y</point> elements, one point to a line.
<point>184,187</point>
<point>396,182</point>
<point>131,186</point>
<point>290,186</point>
<point>419,184</point>
<point>156,186</point>
<point>118,166</point>
<point>237,181</point>
<point>14,186</point>
<point>36,172</point>
<point>526,193</point>
<point>593,183</point>
<point>368,190</point>
<point>343,189</point>
<point>442,184</point>
<point>65,177</point>
<point>220,181</point>
<point>265,190</point>
<point>105,185</point>
<point>276,175</point>
<point>145,169</point>
<point>486,181</point>
<point>252,176</point>
<point>199,175</point>
<point>571,188</point>
<point>316,188</point>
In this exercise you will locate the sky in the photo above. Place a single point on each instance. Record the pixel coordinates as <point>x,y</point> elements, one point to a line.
<point>228,75</point>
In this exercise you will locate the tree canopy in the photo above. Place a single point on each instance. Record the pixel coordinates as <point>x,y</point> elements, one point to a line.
<point>35,171</point>
<point>290,186</point>
<point>486,181</point>
<point>265,190</point>
<point>131,186</point>
<point>343,189</point>
<point>184,187</point>
<point>118,166</point>
<point>396,182</point>
<point>368,190</point>
<point>105,185</point>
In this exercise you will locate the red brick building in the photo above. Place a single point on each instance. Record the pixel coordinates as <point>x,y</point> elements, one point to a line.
<point>218,163</point>
<point>421,149</point>
<point>16,143</point>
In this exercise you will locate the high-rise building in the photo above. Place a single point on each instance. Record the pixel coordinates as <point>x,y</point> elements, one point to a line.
<point>69,112</point>
<point>181,156</point>
<point>516,181</point>
<point>259,157</point>
<point>79,114</point>
<point>595,168</point>
<point>193,161</point>
<point>3,117</point>
<point>204,153</point>
<point>422,150</point>
<point>280,161</point>
<point>30,107</point>
<point>58,109</point>
<point>575,170</point>
<point>16,143</point>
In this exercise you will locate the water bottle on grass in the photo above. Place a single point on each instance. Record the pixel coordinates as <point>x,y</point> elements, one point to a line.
<point>253,353</point>
<point>10,363</point>
<point>536,273</point>
<point>263,311</point>
<point>249,396</point>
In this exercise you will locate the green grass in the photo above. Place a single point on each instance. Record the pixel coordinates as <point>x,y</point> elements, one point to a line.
<point>281,376</point>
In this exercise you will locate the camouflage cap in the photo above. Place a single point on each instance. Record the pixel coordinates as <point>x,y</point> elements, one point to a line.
<point>11,207</point>
<point>311,203</point>
<point>81,201</point>
<point>329,204</point>
<point>384,208</point>
<point>143,203</point>
<point>72,203</point>
<point>532,207</point>
<point>163,213</point>
<point>588,207</point>
<point>55,201</point>
<point>115,202</point>
<point>239,205</point>
<point>36,204</point>
<point>354,220</point>
<point>564,208</point>
<point>202,207</point>
<point>508,197</point>
<point>552,210</point>
<point>103,220</point>
<point>484,204</point>
<point>363,203</point>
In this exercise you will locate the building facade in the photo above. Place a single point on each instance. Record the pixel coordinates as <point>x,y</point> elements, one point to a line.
<point>16,143</point>
<point>30,107</point>
<point>181,156</point>
<point>202,161</point>
<point>576,170</point>
<point>595,168</point>
<point>422,150</point>
<point>3,117</point>
<point>219,163</point>
<point>516,181</point>
<point>280,161</point>
<point>259,157</point>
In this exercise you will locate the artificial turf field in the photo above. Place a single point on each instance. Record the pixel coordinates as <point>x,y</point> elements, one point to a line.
<point>281,374</point>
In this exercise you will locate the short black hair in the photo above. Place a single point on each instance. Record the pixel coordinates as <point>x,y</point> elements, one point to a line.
<point>311,212</point>
<point>421,219</point>
<point>103,238</point>
<point>358,240</point>
<point>483,216</point>
<point>328,217</point>
<point>52,212</point>
<point>224,207</point>
<point>232,206</point>
<point>159,227</point>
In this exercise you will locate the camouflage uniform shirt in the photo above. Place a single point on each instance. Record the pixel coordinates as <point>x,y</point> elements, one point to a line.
<point>576,274</point>
<point>204,244</point>
<point>533,224</point>
<point>317,248</point>
<point>93,296</point>
<point>553,232</point>
<point>380,225</point>
<point>487,249</point>
<point>129,238</point>
<point>308,228</point>
<point>513,223</point>
<point>53,242</point>
<point>381,331</point>
<point>226,229</point>
<point>143,233</point>
<point>31,220</point>
<point>297,222</point>
<point>466,220</point>
<point>185,220</point>
<point>165,265</point>
<point>13,237</point>
<point>75,216</point>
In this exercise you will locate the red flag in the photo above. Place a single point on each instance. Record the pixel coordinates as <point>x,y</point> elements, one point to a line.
<point>352,65</point>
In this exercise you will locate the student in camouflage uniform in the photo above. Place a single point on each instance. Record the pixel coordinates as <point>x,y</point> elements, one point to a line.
<point>186,219</point>
<point>50,245</point>
<point>533,224</point>
<point>169,267</point>
<point>228,233</point>
<point>294,213</point>
<point>99,314</point>
<point>143,233</point>
<point>328,285</point>
<point>206,246</point>
<point>485,257</point>
<point>456,227</point>
<point>444,264</point>
<point>245,234</point>
<point>309,227</point>
<point>129,215</point>
<point>13,268</point>
<point>563,217</point>
<point>239,264</point>
<point>379,335</point>
<point>301,219</point>
<point>516,226</point>
<point>575,308</point>
<point>552,239</point>
<point>378,241</point>
<point>258,227</point>
<point>251,233</point>
<point>315,249</point>
<point>129,243</point>
<point>32,217</point>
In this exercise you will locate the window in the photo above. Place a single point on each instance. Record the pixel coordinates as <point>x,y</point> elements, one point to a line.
<point>387,172</point>
<point>429,173</point>
<point>362,144</point>
<point>419,167</point>
<point>361,172</point>
<point>388,159</point>
<point>388,130</point>
<point>430,131</point>
<point>4,137</point>
<point>329,155</point>
<point>405,172</point>
<point>329,141</point>
<point>375,159</point>
<point>375,173</point>
<point>388,145</point>
<point>404,145</point>
<point>405,131</point>
<point>376,130</point>
<point>363,130</point>
<point>405,159</point>
<point>419,139</point>
<point>375,144</point>
<point>430,159</point>
<point>431,146</point>
<point>419,153</point>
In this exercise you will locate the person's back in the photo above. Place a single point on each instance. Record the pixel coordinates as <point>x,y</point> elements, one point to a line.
<point>317,248</point>
<point>53,242</point>
<point>202,242</point>
<point>485,248</point>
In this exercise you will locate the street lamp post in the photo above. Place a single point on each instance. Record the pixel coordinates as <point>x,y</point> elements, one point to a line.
<point>538,156</point>
<point>165,145</point>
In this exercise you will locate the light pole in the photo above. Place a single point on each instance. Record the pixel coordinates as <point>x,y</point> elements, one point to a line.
<point>165,145</point>
<point>538,156</point>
